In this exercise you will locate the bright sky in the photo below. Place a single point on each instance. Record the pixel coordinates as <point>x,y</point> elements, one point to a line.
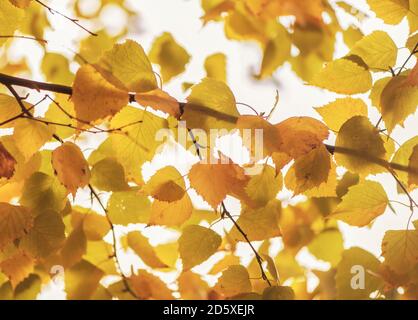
<point>181,18</point>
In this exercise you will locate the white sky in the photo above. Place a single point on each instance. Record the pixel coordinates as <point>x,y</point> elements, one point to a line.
<point>181,18</point>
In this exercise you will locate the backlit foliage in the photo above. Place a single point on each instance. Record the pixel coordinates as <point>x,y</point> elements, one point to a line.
<point>68,200</point>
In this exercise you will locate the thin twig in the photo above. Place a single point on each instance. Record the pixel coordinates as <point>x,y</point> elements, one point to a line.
<point>73,20</point>
<point>228,214</point>
<point>257,255</point>
<point>24,37</point>
<point>115,249</point>
<point>414,51</point>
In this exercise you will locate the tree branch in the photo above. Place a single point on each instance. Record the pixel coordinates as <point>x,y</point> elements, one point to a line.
<point>73,20</point>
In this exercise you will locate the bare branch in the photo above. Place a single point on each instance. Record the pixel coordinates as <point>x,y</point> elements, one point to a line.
<point>73,20</point>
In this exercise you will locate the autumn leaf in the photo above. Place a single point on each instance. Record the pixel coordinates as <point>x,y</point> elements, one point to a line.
<point>126,66</point>
<point>234,280</point>
<point>413,165</point>
<point>300,135</point>
<point>94,97</point>
<point>215,101</point>
<point>362,204</point>
<point>215,66</point>
<point>17,268</point>
<point>227,178</point>
<point>400,250</point>
<point>336,113</point>
<point>196,245</point>
<point>144,250</point>
<point>390,11</point>
<point>15,221</point>
<point>377,50</point>
<point>159,100</point>
<point>343,76</point>
<point>359,137</point>
<point>357,268</point>
<point>171,57</point>
<point>398,101</point>
<point>7,163</point>
<point>70,166</point>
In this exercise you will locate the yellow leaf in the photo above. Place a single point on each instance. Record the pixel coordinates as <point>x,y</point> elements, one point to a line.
<point>309,171</point>
<point>171,57</point>
<point>215,66</point>
<point>196,245</point>
<point>287,266</point>
<point>159,100</point>
<point>82,280</point>
<point>276,52</point>
<point>357,141</point>
<point>46,236</point>
<point>21,3</point>
<point>140,245</point>
<point>413,16</point>
<point>139,141</point>
<point>127,67</point>
<point>234,280</point>
<point>17,268</point>
<point>328,246</point>
<point>300,135</point>
<point>55,114</point>
<point>94,97</point>
<point>343,76</point>
<point>377,50</point>
<point>171,213</point>
<point>92,48</point>
<point>148,286</point>
<point>29,288</point>
<point>398,101</point>
<point>14,223</point>
<point>390,11</point>
<point>56,69</point>
<point>270,136</point>
<point>167,184</point>
<point>211,105</point>
<point>10,19</point>
<point>357,275</point>
<point>278,293</point>
<point>362,204</point>
<point>9,108</point>
<point>109,175</point>
<point>95,226</point>
<point>214,181</point>
<point>413,166</point>
<point>400,250</point>
<point>336,113</point>
<point>263,187</point>
<point>100,254</point>
<point>227,261</point>
<point>129,206</point>
<point>259,224</point>
<point>43,192</point>
<point>75,247</point>
<point>7,163</point>
<point>70,166</point>
<point>30,136</point>
<point>376,92</point>
<point>402,156</point>
<point>352,35</point>
<point>192,287</point>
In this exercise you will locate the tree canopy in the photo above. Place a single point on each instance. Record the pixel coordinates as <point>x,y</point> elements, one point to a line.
<point>75,200</point>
